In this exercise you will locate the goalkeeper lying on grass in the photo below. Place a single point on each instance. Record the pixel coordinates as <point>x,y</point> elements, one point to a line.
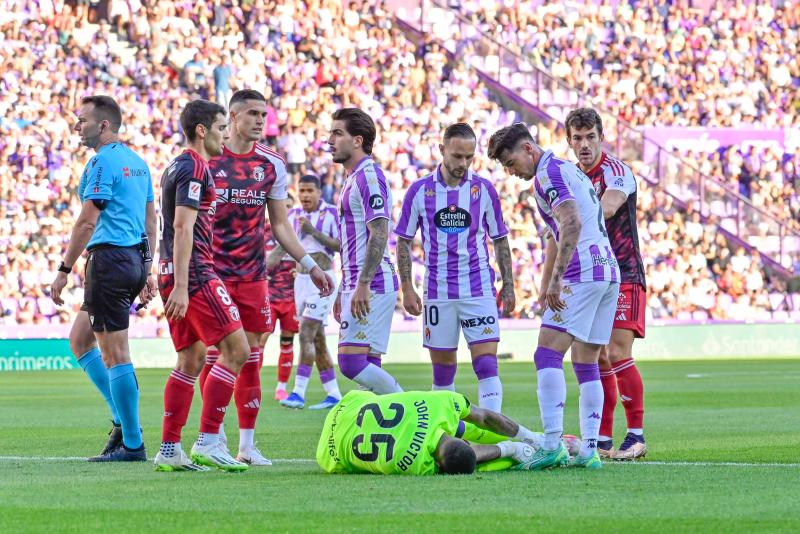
<point>420,433</point>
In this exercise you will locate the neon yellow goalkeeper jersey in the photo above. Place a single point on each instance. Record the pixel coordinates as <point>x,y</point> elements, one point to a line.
<point>388,434</point>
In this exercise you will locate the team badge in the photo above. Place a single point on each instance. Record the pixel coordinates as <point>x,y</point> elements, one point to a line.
<point>427,332</point>
<point>598,188</point>
<point>475,192</point>
<point>234,311</point>
<point>258,174</point>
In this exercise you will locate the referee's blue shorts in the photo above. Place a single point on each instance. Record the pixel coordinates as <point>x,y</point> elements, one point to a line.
<point>114,277</point>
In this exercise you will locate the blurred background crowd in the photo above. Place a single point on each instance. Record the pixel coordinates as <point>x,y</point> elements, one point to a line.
<point>312,57</point>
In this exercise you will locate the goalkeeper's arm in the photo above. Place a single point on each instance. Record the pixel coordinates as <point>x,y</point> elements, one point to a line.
<point>500,424</point>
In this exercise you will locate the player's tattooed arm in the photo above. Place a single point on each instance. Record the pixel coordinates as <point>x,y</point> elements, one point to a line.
<point>569,232</point>
<point>491,420</point>
<point>376,247</point>
<point>411,301</point>
<point>404,260</point>
<point>503,256</point>
<point>326,240</point>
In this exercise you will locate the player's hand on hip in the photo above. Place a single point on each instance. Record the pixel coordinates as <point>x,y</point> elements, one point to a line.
<point>177,304</point>
<point>323,282</point>
<point>337,308</point>
<point>359,306</point>
<point>553,296</point>
<point>507,299</point>
<point>57,287</point>
<point>411,301</point>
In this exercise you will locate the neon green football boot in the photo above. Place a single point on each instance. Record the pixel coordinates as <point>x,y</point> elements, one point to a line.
<point>544,459</point>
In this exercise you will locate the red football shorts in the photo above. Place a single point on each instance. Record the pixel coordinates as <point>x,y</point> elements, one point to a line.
<point>630,308</point>
<point>286,313</point>
<point>212,315</point>
<point>252,298</point>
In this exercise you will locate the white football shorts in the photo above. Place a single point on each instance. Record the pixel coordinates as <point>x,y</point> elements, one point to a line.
<point>589,315</point>
<point>372,331</point>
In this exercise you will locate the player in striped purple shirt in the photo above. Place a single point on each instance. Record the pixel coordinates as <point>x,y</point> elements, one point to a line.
<point>368,292</point>
<point>581,294</point>
<point>456,211</point>
<point>317,227</point>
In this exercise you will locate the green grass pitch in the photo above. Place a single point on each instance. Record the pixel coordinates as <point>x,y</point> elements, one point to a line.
<point>708,426</point>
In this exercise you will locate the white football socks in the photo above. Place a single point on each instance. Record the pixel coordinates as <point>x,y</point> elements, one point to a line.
<point>590,411</point>
<point>552,393</point>
<point>378,380</point>
<point>490,393</point>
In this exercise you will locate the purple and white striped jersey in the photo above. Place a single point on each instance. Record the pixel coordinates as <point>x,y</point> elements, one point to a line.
<point>365,197</point>
<point>454,222</point>
<point>324,219</point>
<point>557,181</point>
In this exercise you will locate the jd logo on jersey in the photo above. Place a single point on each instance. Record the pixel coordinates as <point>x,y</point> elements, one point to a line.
<point>376,202</point>
<point>452,219</point>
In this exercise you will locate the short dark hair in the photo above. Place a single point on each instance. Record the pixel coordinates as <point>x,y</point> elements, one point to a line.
<point>356,122</point>
<point>507,139</point>
<point>242,95</point>
<point>458,458</point>
<point>461,130</point>
<point>583,118</point>
<point>310,179</point>
<point>199,112</point>
<point>105,109</point>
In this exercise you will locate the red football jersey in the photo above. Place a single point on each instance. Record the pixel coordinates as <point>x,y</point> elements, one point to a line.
<point>611,173</point>
<point>244,183</point>
<point>187,182</point>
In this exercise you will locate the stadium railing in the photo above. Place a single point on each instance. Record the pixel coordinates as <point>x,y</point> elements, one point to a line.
<point>738,216</point>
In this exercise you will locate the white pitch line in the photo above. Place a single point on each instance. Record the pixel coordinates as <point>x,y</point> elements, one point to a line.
<point>83,459</point>
<point>704,464</point>
<point>308,460</point>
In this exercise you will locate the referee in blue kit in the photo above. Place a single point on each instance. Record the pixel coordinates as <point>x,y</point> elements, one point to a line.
<point>117,225</point>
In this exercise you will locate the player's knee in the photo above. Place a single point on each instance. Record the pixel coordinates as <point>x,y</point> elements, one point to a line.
<point>287,340</point>
<point>457,458</point>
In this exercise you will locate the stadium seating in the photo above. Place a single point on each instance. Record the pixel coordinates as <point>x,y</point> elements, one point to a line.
<point>155,59</point>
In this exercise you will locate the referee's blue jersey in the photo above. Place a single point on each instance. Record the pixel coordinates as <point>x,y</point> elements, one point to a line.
<point>119,176</point>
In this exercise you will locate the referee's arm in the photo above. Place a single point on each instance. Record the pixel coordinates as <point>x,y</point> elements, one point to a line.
<point>81,234</point>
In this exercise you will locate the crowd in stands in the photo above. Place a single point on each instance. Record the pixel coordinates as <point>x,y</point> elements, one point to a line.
<point>309,58</point>
<point>656,63</point>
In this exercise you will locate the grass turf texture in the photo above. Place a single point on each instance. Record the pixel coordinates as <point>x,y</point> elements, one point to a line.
<point>698,412</point>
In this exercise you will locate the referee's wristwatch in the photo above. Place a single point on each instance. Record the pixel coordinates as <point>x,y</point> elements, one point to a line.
<point>64,269</point>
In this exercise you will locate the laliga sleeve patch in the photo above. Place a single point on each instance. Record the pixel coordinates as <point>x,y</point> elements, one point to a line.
<point>376,202</point>
<point>194,190</point>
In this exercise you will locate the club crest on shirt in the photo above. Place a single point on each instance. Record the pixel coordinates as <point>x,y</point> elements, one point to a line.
<point>475,192</point>
<point>258,174</point>
<point>598,187</point>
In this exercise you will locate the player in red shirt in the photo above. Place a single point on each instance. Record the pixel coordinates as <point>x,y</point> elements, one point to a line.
<point>199,309</point>
<point>615,184</point>
<point>281,270</point>
<point>250,180</point>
